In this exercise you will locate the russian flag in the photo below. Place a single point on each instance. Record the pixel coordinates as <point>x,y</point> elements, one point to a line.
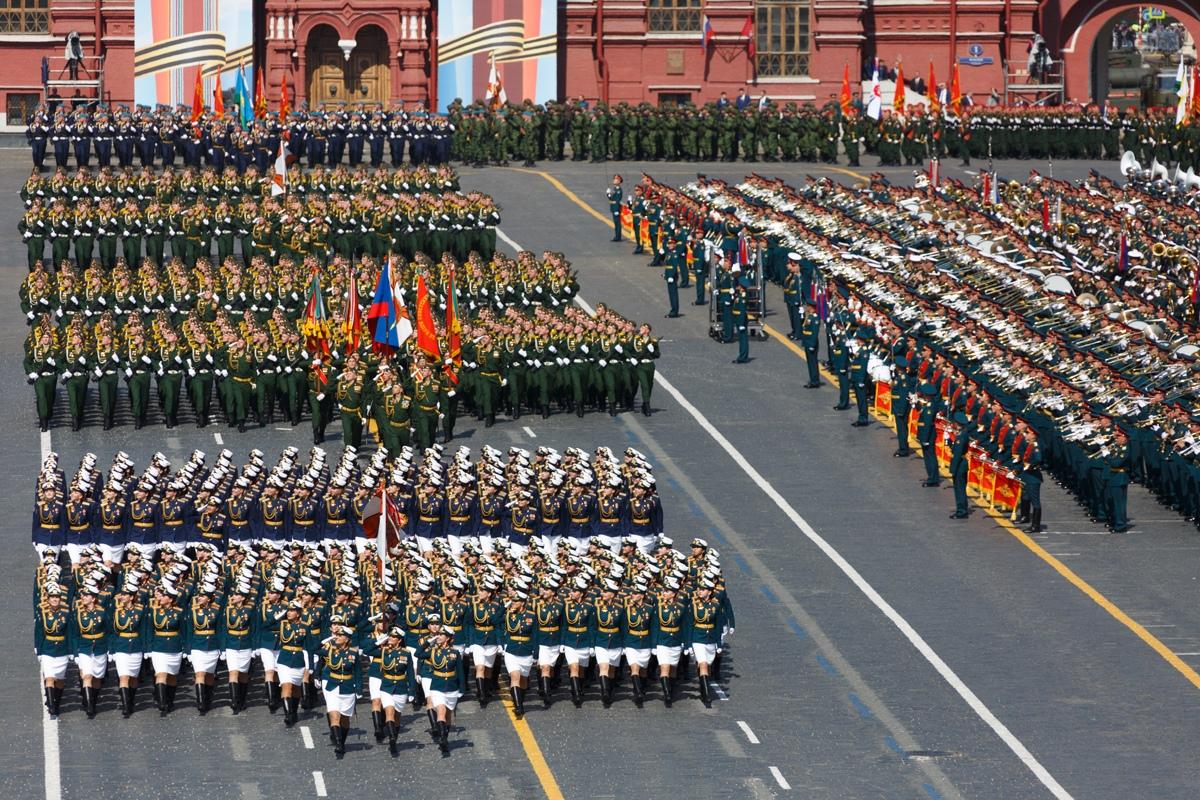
<point>1123,253</point>
<point>707,34</point>
<point>387,318</point>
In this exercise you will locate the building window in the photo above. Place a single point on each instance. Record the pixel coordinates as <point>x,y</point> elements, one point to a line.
<point>783,38</point>
<point>672,16</point>
<point>674,99</point>
<point>18,107</point>
<point>24,16</point>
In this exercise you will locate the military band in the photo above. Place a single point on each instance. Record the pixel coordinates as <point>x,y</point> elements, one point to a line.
<point>1085,368</point>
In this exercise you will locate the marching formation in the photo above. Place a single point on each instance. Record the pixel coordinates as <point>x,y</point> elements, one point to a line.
<point>281,317</point>
<point>748,129</point>
<point>246,338</point>
<point>1020,326</point>
<point>326,212</point>
<point>413,579</point>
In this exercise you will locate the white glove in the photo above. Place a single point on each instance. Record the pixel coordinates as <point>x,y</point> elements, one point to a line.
<point>128,372</point>
<point>145,359</point>
<point>33,376</point>
<point>50,360</point>
<point>320,396</point>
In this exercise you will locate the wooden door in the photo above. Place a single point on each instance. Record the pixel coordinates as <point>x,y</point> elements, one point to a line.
<point>370,82</point>
<point>326,70</point>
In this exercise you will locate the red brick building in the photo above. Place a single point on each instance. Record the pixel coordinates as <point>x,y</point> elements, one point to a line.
<point>31,29</point>
<point>618,50</point>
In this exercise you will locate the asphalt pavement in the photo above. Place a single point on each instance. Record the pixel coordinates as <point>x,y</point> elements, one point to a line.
<point>882,650</point>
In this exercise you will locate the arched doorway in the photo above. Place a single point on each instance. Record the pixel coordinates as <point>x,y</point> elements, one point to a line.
<point>370,75</point>
<point>326,78</point>
<point>1135,57</point>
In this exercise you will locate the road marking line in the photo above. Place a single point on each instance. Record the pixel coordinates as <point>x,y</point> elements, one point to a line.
<point>239,746</point>
<point>501,788</point>
<point>319,782</point>
<point>749,733</point>
<point>52,767</point>
<point>306,735</point>
<point>783,784</point>
<point>1159,626</point>
<point>758,790</point>
<point>902,624</point>
<point>217,436</point>
<point>732,747</point>
<point>529,432</point>
<point>481,743</point>
<point>1187,654</point>
<point>534,753</point>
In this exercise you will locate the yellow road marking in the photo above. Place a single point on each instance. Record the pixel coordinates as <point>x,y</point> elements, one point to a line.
<point>534,753</point>
<point>1062,569</point>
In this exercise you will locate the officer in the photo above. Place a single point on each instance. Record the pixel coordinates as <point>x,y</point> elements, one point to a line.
<point>930,402</point>
<point>959,465</point>
<point>615,194</point>
<point>859,376</point>
<point>1031,479</point>
<point>671,271</point>
<point>791,295</point>
<point>839,362</point>
<point>904,383</point>
<point>739,317</point>
<point>810,340</point>
<point>1117,482</point>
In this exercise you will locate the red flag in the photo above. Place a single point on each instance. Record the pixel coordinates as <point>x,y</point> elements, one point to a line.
<point>198,97</point>
<point>898,100</point>
<point>1045,213</point>
<point>427,339</point>
<point>453,333</point>
<point>284,104</point>
<point>845,99</point>
<point>352,322</point>
<point>955,92</point>
<point>934,104</point>
<point>218,100</point>
<point>748,32</point>
<point>260,97</point>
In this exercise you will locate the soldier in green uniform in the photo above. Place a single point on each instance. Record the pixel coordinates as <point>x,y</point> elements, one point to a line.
<point>426,393</point>
<point>671,276</point>
<point>138,367</point>
<point>105,368</point>
<point>645,352</point>
<point>810,340</point>
<point>239,372</point>
<point>170,368</point>
<point>201,366</point>
<point>350,404</point>
<point>75,365</point>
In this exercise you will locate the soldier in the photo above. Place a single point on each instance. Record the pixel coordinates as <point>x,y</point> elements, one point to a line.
<point>615,193</point>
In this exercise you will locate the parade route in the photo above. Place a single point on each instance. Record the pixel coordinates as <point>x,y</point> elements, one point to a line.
<point>881,650</point>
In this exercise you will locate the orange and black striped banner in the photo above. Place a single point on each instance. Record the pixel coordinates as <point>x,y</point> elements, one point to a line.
<point>189,50</point>
<point>537,47</point>
<point>503,37</point>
